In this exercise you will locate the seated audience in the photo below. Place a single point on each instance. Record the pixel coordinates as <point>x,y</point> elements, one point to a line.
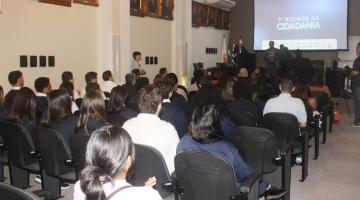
<point>69,88</point>
<point>140,81</point>
<point>302,91</point>
<point>23,109</point>
<point>58,114</point>
<point>109,155</point>
<point>90,77</point>
<point>16,80</point>
<point>177,98</point>
<point>109,83</point>
<point>148,129</point>
<point>227,90</point>
<point>243,73</point>
<point>93,87</point>
<point>179,89</point>
<point>43,87</point>
<point>67,77</point>
<point>156,80</point>
<point>285,103</point>
<point>242,102</point>
<point>205,135</point>
<point>117,110</point>
<point>132,96</point>
<point>163,72</point>
<point>171,112</point>
<point>3,111</point>
<point>317,84</point>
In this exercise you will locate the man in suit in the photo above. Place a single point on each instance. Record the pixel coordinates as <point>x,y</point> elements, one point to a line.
<point>43,88</point>
<point>16,80</point>
<point>271,59</point>
<point>302,66</point>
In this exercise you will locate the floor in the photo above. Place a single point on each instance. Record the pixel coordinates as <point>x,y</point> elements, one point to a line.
<point>334,176</point>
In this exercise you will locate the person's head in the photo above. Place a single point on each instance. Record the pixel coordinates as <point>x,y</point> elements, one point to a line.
<point>59,107</point>
<point>68,87</point>
<point>298,53</point>
<point>91,77</point>
<point>24,105</point>
<point>130,79</point>
<point>242,89</point>
<point>301,91</point>
<point>1,96</point>
<point>358,49</point>
<point>172,79</point>
<point>137,56</point>
<point>205,126</point>
<point>243,73</point>
<point>16,79</point>
<point>107,76</point>
<point>317,79</point>
<point>117,99</point>
<point>163,72</point>
<point>109,155</point>
<point>42,85</point>
<point>157,79</point>
<point>67,76</point>
<point>150,100</point>
<point>209,94</point>
<point>286,86</point>
<point>271,44</point>
<point>136,72</point>
<point>241,42</point>
<point>92,106</point>
<point>282,47</point>
<point>165,89</point>
<point>92,87</point>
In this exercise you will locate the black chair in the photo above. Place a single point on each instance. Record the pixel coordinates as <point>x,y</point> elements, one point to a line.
<point>203,176</point>
<point>12,193</point>
<point>77,145</point>
<point>243,118</point>
<point>23,159</point>
<point>114,118</point>
<point>56,159</point>
<point>148,163</point>
<point>325,107</point>
<point>287,131</point>
<point>78,102</point>
<point>313,128</point>
<point>3,157</point>
<point>259,149</point>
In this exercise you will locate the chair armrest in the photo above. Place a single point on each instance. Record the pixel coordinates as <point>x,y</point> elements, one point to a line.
<point>249,182</point>
<point>71,163</point>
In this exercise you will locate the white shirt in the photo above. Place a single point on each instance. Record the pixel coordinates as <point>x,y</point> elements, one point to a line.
<point>133,193</point>
<point>74,107</point>
<point>148,129</point>
<point>285,103</point>
<point>135,65</point>
<point>15,88</point>
<point>39,94</point>
<point>108,86</point>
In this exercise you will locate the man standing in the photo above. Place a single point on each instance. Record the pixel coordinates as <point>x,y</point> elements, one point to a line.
<point>355,83</point>
<point>271,58</point>
<point>136,62</point>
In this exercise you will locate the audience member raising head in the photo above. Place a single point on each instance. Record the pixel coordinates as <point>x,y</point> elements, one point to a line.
<point>67,76</point>
<point>110,153</point>
<point>16,80</point>
<point>58,114</point>
<point>109,83</point>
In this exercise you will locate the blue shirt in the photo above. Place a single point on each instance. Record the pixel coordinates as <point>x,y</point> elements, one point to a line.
<point>355,81</point>
<point>221,148</point>
<point>227,126</point>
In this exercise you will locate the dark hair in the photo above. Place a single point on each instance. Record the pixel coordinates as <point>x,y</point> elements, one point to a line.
<point>136,53</point>
<point>1,96</point>
<point>14,76</point>
<point>286,85</point>
<point>67,76</point>
<point>149,99</point>
<point>106,75</point>
<point>41,83</point>
<point>136,72</point>
<point>163,71</point>
<point>241,89</point>
<point>129,78</point>
<point>68,87</point>
<point>317,79</point>
<point>298,53</point>
<point>205,124</point>
<point>92,87</point>
<point>59,107</point>
<point>165,89</point>
<point>117,99</point>
<point>157,79</point>
<point>172,79</point>
<point>208,94</point>
<point>24,104</point>
<point>92,106</point>
<point>106,155</point>
<point>301,91</point>
<point>90,76</point>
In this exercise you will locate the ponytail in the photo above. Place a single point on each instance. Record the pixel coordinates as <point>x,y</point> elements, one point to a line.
<point>91,181</point>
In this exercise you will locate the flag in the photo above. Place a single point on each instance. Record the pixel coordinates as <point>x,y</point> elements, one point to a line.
<point>235,52</point>
<point>224,51</point>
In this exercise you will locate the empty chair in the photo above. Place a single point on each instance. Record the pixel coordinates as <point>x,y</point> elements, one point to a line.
<point>203,176</point>
<point>150,163</point>
<point>21,153</point>
<point>56,159</point>
<point>12,193</point>
<point>243,118</point>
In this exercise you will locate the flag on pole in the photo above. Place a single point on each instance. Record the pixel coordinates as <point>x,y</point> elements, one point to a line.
<point>235,52</point>
<point>224,51</point>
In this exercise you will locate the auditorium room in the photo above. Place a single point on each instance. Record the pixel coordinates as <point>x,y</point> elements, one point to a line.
<point>179,99</point>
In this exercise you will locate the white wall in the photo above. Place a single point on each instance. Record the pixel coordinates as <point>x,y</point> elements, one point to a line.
<point>28,27</point>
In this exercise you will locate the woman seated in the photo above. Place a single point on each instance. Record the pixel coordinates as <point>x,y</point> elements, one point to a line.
<point>69,88</point>
<point>317,85</point>
<point>207,136</point>
<point>117,110</point>
<point>23,109</point>
<point>58,115</point>
<point>109,155</point>
<point>302,92</point>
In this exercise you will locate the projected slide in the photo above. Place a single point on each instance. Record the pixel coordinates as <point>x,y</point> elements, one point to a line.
<point>301,24</point>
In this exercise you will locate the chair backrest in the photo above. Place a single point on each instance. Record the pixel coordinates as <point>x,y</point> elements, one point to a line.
<point>257,146</point>
<point>243,118</point>
<point>78,144</point>
<point>53,149</point>
<point>148,163</point>
<point>204,176</point>
<point>115,119</point>
<point>19,143</point>
<point>78,102</point>
<point>322,100</point>
<point>284,125</point>
<point>12,193</point>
